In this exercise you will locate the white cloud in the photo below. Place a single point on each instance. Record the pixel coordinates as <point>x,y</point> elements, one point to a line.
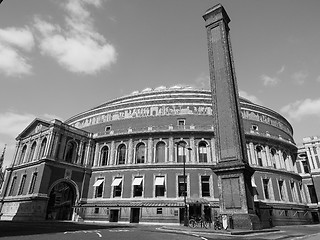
<point>281,70</point>
<point>49,117</point>
<point>269,81</point>
<point>202,81</point>
<point>19,37</point>
<point>318,79</point>
<point>302,108</point>
<point>12,42</point>
<point>11,124</point>
<point>300,77</point>
<point>250,97</point>
<point>78,47</point>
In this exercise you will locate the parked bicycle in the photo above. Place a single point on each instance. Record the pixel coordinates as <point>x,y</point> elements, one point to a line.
<point>198,222</point>
<point>218,223</point>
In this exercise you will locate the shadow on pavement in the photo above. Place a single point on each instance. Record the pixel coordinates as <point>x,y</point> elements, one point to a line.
<point>9,228</point>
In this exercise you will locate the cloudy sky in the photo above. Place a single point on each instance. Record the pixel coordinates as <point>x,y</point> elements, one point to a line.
<point>62,57</point>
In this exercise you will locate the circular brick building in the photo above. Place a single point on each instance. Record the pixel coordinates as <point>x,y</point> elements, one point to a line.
<point>144,139</point>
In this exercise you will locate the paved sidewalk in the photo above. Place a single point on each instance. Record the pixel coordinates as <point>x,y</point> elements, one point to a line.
<point>212,230</point>
<point>296,232</point>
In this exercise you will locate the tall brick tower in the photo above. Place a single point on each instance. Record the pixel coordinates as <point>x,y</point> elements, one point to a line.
<point>234,173</point>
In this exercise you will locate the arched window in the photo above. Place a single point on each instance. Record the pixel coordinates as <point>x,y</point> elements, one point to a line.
<point>121,154</point>
<point>104,156</point>
<point>70,151</point>
<point>23,154</point>
<point>32,150</point>
<point>273,157</point>
<point>160,152</point>
<point>42,148</point>
<point>203,156</point>
<point>259,155</point>
<point>140,153</point>
<point>181,154</point>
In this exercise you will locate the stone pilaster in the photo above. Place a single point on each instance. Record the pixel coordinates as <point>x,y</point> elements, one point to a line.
<point>310,160</point>
<point>171,150</point>
<point>63,144</point>
<point>112,153</point>
<point>149,152</point>
<point>130,152</point>
<point>252,154</point>
<point>192,153</point>
<point>96,155</point>
<point>267,150</point>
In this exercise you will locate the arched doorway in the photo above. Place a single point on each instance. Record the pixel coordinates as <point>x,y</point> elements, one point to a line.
<point>61,199</point>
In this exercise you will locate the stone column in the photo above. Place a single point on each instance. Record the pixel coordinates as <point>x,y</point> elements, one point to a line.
<point>112,152</point>
<point>80,152</point>
<point>171,151</point>
<point>313,158</point>
<point>26,156</point>
<point>192,152</point>
<point>96,155</point>
<point>281,160</point>
<point>36,152</point>
<point>149,152</point>
<point>264,157</point>
<point>88,153</point>
<point>130,152</point>
<point>63,144</point>
<point>233,171</point>
<point>48,148</point>
<point>252,154</point>
<point>55,146</point>
<point>267,149</point>
<point>310,159</point>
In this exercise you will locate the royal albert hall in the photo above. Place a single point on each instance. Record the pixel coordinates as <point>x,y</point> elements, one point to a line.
<point>143,157</point>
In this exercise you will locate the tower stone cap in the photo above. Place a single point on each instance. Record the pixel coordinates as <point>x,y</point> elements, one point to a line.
<point>215,14</point>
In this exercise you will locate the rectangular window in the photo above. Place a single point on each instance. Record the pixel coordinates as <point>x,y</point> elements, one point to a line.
<point>159,210</point>
<point>96,210</point>
<point>117,187</point>
<point>254,127</point>
<point>266,188</point>
<point>306,166</point>
<point>33,182</point>
<point>159,186</point>
<point>182,186</point>
<point>13,184</point>
<point>313,194</point>
<point>98,187</point>
<point>22,183</point>
<point>137,186</point>
<point>281,190</point>
<point>181,122</point>
<point>205,186</point>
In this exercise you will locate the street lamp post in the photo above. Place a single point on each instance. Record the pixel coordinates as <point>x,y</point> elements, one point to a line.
<point>185,222</point>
